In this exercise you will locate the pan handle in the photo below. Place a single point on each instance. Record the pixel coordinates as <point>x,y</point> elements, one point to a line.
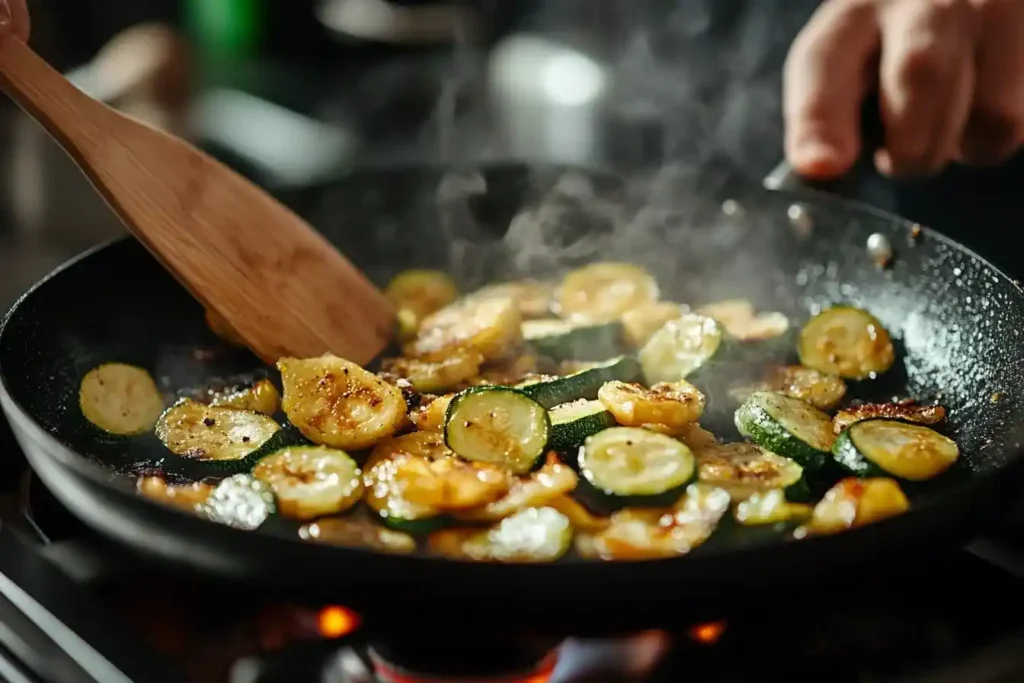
<point>783,177</point>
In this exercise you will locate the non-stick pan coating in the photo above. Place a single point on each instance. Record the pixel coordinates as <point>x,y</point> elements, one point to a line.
<point>959,321</point>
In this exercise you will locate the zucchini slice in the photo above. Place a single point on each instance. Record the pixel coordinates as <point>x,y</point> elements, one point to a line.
<point>507,372</point>
<point>421,291</point>
<point>430,416</point>
<point>672,405</point>
<point>534,299</point>
<point>904,450</point>
<point>351,532</point>
<point>585,383</point>
<point>693,435</point>
<point>430,376</point>
<point>551,482</point>
<point>311,481</point>
<point>786,426</point>
<point>384,480</point>
<point>490,326</point>
<point>120,399</point>
<point>572,423</point>
<point>563,340</point>
<point>847,342</point>
<point>742,321</point>
<point>822,391</point>
<point>497,425</point>
<point>853,503</point>
<point>746,469</point>
<point>262,397</point>
<point>770,507</point>
<point>629,462</point>
<point>186,497</point>
<point>601,292</point>
<point>241,501</point>
<point>531,535</point>
<point>641,322</point>
<point>906,411</point>
<point>430,475</point>
<point>427,445</point>
<point>653,534</point>
<point>193,430</point>
<point>680,347</point>
<point>337,403</point>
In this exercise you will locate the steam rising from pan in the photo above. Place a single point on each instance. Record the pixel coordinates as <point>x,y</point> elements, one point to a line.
<point>703,74</point>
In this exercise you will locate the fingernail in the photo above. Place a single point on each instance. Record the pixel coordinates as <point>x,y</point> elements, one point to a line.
<point>817,159</point>
<point>5,14</point>
<point>883,162</point>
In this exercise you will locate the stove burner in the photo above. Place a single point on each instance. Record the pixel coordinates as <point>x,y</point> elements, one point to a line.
<point>459,660</point>
<point>386,673</point>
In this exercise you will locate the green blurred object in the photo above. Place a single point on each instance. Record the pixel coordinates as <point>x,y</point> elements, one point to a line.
<point>225,27</point>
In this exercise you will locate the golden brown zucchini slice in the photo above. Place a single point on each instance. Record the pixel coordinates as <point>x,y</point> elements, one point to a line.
<point>336,403</point>
<point>120,399</point>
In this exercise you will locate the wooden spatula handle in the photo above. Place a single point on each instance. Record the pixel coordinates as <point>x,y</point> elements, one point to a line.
<point>64,111</point>
<point>273,279</point>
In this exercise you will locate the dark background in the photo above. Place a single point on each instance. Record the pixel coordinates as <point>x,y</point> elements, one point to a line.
<point>737,45</point>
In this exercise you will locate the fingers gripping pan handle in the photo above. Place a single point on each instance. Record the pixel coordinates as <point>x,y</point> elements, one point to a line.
<point>784,177</point>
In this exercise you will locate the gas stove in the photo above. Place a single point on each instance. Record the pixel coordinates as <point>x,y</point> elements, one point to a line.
<point>76,608</point>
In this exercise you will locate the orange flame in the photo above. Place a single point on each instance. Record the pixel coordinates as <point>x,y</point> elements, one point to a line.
<point>709,633</point>
<point>335,621</point>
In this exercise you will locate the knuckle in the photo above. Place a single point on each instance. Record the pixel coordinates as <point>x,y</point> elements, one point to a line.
<point>955,9</point>
<point>997,123</point>
<point>993,133</point>
<point>922,64</point>
<point>909,158</point>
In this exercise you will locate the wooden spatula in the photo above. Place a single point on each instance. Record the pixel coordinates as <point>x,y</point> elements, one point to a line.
<point>276,282</point>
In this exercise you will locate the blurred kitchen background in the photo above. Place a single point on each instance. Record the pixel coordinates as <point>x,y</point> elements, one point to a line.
<point>295,92</point>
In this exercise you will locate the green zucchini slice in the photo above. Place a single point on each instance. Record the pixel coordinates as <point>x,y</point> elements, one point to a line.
<point>847,342</point>
<point>904,450</point>
<point>563,340</point>
<point>632,462</point>
<point>499,426</point>
<point>120,399</point>
<point>745,469</point>
<point>585,383</point>
<point>531,535</point>
<point>787,426</point>
<point>822,391</point>
<point>311,481</point>
<point>680,347</point>
<point>385,484</point>
<point>261,397</point>
<point>213,433</point>
<point>601,292</point>
<point>572,423</point>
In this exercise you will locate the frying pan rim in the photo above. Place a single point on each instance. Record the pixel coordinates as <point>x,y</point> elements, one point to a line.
<point>101,476</point>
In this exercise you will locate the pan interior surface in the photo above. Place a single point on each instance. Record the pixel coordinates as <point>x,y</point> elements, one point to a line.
<point>957,321</point>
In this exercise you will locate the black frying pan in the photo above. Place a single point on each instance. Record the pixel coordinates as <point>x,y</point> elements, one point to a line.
<point>958,319</point>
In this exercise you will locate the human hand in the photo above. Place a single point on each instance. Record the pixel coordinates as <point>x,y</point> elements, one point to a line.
<point>949,73</point>
<point>14,14</point>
